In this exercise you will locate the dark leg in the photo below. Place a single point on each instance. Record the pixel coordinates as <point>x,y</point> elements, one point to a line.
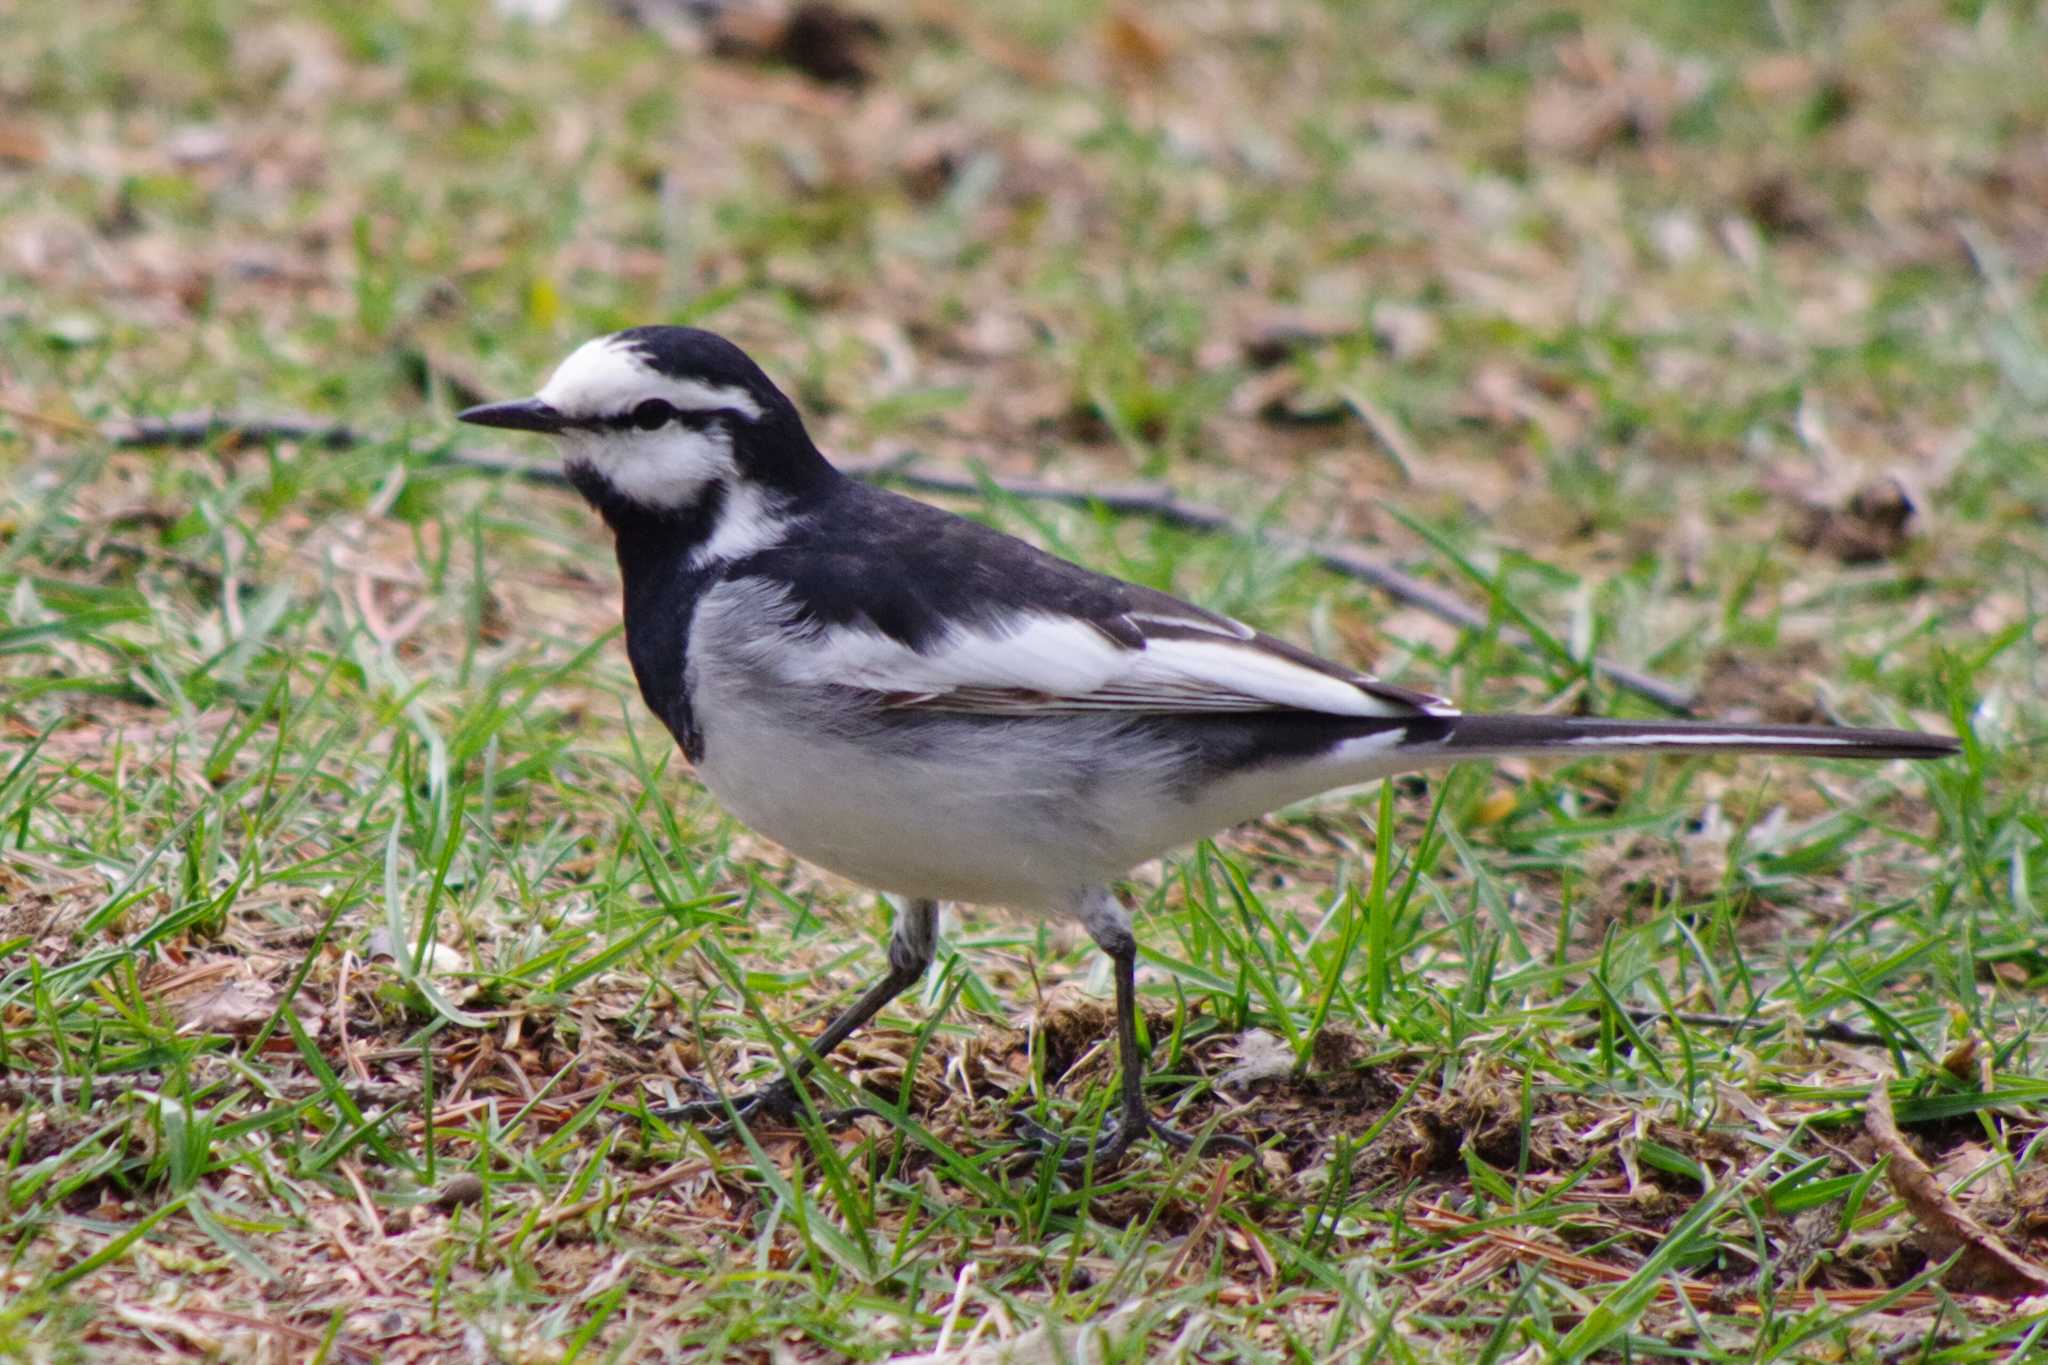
<point>1110,926</point>
<point>912,944</point>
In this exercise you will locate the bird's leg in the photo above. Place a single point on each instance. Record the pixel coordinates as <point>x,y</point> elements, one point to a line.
<point>912,944</point>
<point>1109,924</point>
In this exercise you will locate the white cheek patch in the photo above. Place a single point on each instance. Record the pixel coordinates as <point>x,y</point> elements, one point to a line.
<point>665,468</point>
<point>609,377</point>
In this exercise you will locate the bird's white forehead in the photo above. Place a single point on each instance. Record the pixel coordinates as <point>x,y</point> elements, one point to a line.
<point>608,376</point>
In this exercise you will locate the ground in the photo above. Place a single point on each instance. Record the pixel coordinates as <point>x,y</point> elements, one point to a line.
<point>354,915</point>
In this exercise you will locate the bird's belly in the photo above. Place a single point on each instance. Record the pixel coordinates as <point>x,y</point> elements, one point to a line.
<point>946,808</point>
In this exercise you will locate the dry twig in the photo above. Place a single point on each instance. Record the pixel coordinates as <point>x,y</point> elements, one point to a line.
<point>639,1189</point>
<point>1827,1030</point>
<point>1585,1270</point>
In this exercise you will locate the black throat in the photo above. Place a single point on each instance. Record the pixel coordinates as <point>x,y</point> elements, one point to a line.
<point>663,576</point>
<point>661,589</point>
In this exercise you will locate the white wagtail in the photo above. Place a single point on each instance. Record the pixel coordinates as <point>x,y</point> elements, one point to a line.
<point>938,710</point>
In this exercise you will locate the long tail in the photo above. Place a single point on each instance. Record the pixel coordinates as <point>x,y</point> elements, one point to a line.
<point>1557,735</point>
<point>1291,757</point>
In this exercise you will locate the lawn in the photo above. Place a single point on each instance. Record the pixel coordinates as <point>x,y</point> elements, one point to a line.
<point>356,918</point>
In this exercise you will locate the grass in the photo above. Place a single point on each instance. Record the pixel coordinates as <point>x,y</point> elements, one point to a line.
<point>354,916</point>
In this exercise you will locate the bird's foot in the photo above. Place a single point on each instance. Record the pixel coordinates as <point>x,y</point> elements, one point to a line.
<point>1118,1133</point>
<point>774,1103</point>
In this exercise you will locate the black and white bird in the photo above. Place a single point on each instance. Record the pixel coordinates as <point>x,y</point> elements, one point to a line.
<point>940,711</point>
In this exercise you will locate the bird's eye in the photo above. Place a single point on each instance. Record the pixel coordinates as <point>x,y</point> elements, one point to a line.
<point>652,414</point>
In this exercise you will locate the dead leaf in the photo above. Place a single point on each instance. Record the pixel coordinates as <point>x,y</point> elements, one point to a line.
<point>1071,1025</point>
<point>234,1007</point>
<point>1985,1257</point>
<point>1989,1190</point>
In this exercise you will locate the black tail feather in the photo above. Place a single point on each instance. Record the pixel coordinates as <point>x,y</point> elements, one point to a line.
<point>1554,734</point>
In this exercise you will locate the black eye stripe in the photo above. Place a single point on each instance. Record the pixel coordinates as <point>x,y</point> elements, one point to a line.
<point>700,419</point>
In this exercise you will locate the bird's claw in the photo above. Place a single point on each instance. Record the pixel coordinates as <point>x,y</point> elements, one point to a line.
<point>774,1103</point>
<point>1119,1132</point>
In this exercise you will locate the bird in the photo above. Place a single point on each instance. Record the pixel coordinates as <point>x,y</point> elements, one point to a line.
<point>942,712</point>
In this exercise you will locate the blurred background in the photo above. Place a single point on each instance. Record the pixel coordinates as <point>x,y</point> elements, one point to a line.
<point>1597,276</point>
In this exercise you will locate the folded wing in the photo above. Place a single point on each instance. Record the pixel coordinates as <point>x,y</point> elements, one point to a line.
<point>1158,656</point>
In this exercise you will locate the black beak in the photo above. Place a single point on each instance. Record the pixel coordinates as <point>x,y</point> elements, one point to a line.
<point>521,414</point>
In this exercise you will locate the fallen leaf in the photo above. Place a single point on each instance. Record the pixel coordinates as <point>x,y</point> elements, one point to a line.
<point>1988,1189</point>
<point>233,1007</point>
<point>1985,1257</point>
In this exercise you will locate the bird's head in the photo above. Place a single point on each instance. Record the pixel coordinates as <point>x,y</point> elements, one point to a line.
<point>656,418</point>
